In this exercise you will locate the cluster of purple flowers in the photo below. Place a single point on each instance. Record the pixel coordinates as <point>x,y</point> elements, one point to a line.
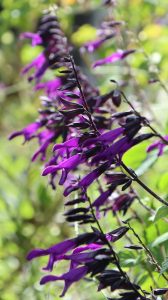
<point>94,139</point>
<point>88,255</point>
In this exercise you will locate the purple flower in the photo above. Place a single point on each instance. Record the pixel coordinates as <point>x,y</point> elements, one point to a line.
<point>65,246</point>
<point>90,241</point>
<point>70,144</point>
<point>121,146</point>
<point>94,261</point>
<point>66,165</point>
<point>91,246</point>
<point>35,37</point>
<point>39,64</point>
<point>118,148</point>
<point>102,199</point>
<point>28,132</point>
<point>119,55</point>
<point>57,249</point>
<point>92,176</point>
<point>122,202</point>
<point>116,234</point>
<point>75,259</point>
<point>93,45</point>
<point>69,277</point>
<point>80,258</point>
<point>160,145</point>
<point>105,138</point>
<point>55,45</point>
<point>45,138</point>
<point>50,87</point>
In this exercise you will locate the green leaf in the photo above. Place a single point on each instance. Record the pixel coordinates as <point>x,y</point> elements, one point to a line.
<point>161,239</point>
<point>161,213</point>
<point>142,278</point>
<point>84,34</point>
<point>163,182</point>
<point>164,266</point>
<point>128,259</point>
<point>146,164</point>
<point>136,155</point>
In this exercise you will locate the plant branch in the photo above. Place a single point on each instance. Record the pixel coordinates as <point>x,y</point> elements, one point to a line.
<point>149,253</point>
<point>145,120</point>
<point>147,208</point>
<point>142,184</point>
<point>116,258</point>
<point>83,97</point>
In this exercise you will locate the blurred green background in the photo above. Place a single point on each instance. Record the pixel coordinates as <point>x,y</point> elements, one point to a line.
<point>30,212</point>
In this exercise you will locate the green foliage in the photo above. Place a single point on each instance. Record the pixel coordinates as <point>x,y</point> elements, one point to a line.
<point>164,266</point>
<point>161,213</point>
<point>161,240</point>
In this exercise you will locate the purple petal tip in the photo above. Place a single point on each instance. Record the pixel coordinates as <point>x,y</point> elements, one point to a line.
<point>36,253</point>
<point>48,278</point>
<point>49,170</point>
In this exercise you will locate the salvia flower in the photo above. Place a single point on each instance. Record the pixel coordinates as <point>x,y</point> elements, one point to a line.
<point>102,199</point>
<point>50,36</point>
<point>92,176</point>
<point>45,137</point>
<point>82,262</point>
<point>70,277</point>
<point>119,55</point>
<point>50,87</point>
<point>36,39</point>
<point>66,165</point>
<point>114,180</point>
<point>39,64</point>
<point>28,132</point>
<point>160,145</point>
<point>76,257</point>
<point>122,202</point>
<point>94,45</point>
<point>105,138</point>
